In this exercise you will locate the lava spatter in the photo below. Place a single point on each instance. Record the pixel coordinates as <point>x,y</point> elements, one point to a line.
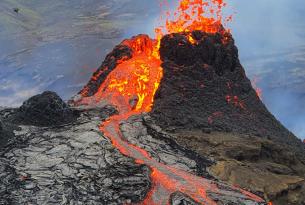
<point>191,15</point>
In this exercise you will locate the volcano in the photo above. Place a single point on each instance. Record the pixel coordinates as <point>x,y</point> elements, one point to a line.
<point>203,89</point>
<point>172,120</point>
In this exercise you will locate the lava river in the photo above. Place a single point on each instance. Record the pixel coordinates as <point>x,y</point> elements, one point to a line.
<point>166,180</point>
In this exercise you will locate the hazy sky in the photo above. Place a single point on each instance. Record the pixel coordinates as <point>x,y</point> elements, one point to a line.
<point>263,26</point>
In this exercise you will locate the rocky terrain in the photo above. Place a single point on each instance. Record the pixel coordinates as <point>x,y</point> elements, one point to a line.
<point>73,163</point>
<point>204,86</point>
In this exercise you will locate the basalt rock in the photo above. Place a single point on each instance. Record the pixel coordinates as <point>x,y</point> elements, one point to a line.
<point>260,165</point>
<point>46,109</point>
<point>204,89</point>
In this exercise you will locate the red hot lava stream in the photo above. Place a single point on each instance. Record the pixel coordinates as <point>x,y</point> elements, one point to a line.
<point>166,179</point>
<point>136,80</point>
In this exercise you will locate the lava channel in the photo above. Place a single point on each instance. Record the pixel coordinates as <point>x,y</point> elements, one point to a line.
<point>166,180</point>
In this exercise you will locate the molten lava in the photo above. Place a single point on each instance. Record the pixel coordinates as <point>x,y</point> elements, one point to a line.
<point>191,15</point>
<point>131,87</point>
<point>136,79</point>
<point>259,91</point>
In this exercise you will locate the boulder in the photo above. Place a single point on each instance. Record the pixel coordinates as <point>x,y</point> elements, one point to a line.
<point>46,109</point>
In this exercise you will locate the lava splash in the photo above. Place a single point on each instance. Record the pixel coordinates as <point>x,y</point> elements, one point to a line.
<point>136,76</point>
<point>192,15</point>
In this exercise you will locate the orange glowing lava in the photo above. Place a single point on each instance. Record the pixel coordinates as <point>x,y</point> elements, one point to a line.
<point>139,77</point>
<point>131,87</point>
<point>133,83</point>
<point>259,91</point>
<point>191,15</point>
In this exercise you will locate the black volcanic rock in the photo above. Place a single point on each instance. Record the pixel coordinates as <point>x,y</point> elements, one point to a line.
<point>204,87</point>
<point>46,109</point>
<point>75,163</point>
<point>209,49</point>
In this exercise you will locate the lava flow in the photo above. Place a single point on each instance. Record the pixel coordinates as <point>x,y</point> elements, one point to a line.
<point>166,179</point>
<point>131,87</point>
<point>258,90</point>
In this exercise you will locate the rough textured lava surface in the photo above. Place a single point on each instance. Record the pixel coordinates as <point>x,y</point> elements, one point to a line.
<point>120,53</point>
<point>68,164</point>
<point>208,138</point>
